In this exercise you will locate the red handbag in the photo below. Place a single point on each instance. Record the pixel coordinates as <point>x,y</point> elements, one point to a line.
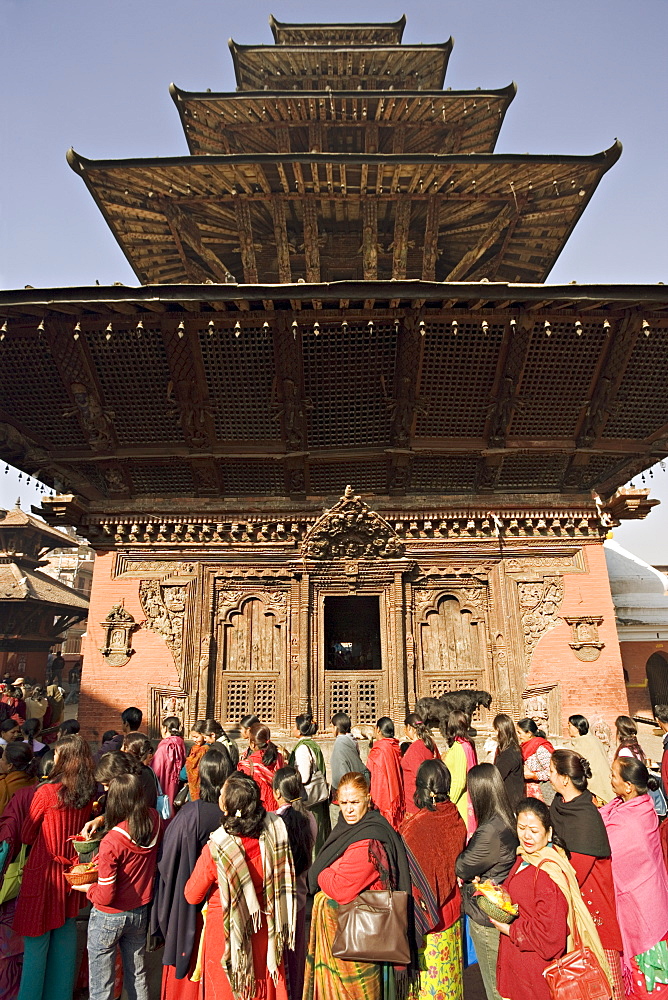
<point>578,974</point>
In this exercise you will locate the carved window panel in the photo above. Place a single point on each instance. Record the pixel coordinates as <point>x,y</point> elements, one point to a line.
<point>239,374</point>
<point>359,698</point>
<point>253,641</point>
<point>450,638</point>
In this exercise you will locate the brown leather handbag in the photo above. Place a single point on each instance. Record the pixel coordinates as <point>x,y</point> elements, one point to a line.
<point>374,928</point>
<point>578,975</point>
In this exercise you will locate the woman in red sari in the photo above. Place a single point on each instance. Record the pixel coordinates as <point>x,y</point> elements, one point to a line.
<point>384,763</point>
<point>262,763</point>
<point>246,874</point>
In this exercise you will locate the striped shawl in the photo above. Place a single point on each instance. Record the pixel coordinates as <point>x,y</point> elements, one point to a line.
<point>242,913</point>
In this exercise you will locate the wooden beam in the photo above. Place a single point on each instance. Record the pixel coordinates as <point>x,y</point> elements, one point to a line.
<point>488,238</point>
<point>602,402</point>
<point>189,233</point>
<point>245,226</point>
<point>277,205</point>
<point>401,225</point>
<point>370,239</point>
<point>430,248</point>
<point>311,248</point>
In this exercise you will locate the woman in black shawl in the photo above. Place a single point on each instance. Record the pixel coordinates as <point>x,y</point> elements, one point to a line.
<point>578,824</point>
<point>362,852</point>
<point>172,918</point>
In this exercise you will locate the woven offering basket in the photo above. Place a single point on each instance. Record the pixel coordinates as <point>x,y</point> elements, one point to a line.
<point>494,911</point>
<point>86,875</point>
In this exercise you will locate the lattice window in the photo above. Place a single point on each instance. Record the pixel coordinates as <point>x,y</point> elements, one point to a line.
<point>340,697</point>
<point>264,700</point>
<point>556,379</point>
<point>335,476</point>
<point>349,406</point>
<point>600,467</point>
<point>240,374</point>
<point>243,697</point>
<point>237,703</point>
<point>444,474</point>
<point>42,408</point>
<point>643,389</point>
<point>246,478</point>
<point>134,374</point>
<point>525,470</point>
<point>172,479</point>
<point>457,378</point>
<point>438,685</point>
<point>367,692</point>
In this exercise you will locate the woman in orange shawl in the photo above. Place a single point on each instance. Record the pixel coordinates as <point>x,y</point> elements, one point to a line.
<point>384,763</point>
<point>191,766</point>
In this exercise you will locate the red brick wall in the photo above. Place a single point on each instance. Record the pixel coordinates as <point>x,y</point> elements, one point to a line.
<point>592,689</point>
<point>105,690</point>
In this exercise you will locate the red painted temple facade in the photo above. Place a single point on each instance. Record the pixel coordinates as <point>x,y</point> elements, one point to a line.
<point>342,284</point>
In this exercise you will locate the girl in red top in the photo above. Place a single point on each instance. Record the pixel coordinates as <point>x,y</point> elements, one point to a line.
<point>46,905</point>
<point>421,748</point>
<point>121,896</point>
<point>262,763</point>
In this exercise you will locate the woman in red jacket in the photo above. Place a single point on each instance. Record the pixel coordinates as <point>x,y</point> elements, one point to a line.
<point>421,748</point>
<point>121,896</point>
<point>46,906</point>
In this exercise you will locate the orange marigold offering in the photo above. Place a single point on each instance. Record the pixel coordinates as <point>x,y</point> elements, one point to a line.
<point>495,901</point>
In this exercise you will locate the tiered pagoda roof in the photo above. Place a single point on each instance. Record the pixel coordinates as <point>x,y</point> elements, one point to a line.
<point>342,285</point>
<point>341,158</point>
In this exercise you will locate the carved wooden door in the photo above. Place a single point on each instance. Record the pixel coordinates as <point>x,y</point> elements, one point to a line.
<point>452,652</point>
<point>252,659</point>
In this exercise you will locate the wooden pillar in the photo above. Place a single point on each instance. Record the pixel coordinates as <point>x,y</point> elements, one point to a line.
<point>399,682</point>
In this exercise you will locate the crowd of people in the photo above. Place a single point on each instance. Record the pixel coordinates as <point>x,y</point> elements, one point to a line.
<point>242,865</point>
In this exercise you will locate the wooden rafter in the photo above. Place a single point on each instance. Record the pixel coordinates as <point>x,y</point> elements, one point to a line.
<point>189,233</point>
<point>487,240</point>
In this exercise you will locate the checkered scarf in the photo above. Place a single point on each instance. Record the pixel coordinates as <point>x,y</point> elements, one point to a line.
<point>242,913</point>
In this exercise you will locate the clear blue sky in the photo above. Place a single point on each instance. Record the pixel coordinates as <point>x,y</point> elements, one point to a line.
<point>94,75</point>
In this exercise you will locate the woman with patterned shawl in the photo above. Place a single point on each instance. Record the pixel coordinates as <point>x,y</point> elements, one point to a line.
<point>362,852</point>
<point>436,835</point>
<point>387,782</point>
<point>178,922</point>
<point>246,875</point>
<point>306,756</point>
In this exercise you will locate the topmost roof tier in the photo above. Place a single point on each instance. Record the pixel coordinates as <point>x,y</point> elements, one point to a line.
<point>340,66</point>
<point>337,34</point>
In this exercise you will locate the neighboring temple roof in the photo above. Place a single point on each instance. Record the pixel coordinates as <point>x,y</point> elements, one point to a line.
<point>42,535</point>
<point>320,216</point>
<point>451,121</point>
<point>410,388</point>
<point>339,34</point>
<point>340,67</point>
<point>19,583</point>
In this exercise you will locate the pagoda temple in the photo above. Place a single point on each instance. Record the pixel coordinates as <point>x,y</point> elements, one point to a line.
<point>343,447</point>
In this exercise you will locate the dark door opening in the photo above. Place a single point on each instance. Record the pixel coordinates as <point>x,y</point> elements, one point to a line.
<point>352,633</point>
<point>656,669</point>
